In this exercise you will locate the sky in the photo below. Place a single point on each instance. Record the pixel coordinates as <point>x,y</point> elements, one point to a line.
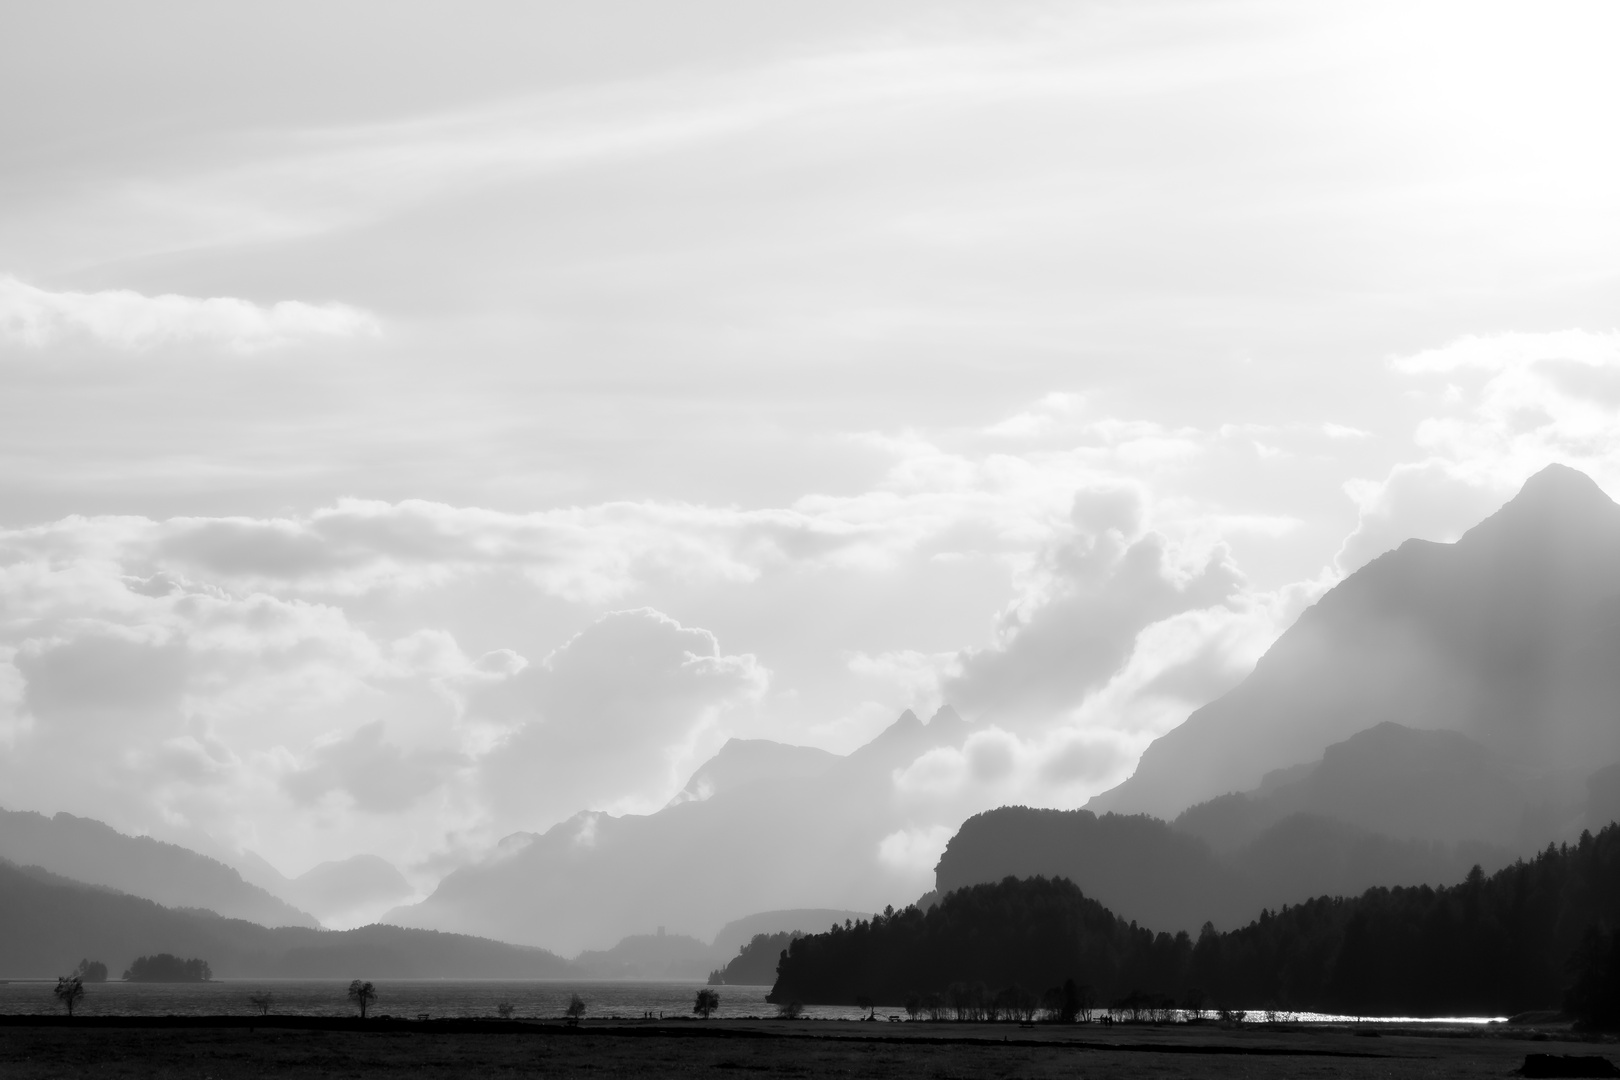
<point>422,422</point>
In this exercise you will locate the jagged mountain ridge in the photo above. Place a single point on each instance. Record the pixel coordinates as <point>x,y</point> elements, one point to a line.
<point>766,841</point>
<point>1508,635</point>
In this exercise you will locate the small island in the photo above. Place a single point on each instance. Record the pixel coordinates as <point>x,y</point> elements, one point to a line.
<point>168,968</point>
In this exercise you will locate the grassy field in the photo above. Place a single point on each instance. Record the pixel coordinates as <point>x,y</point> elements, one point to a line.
<point>803,1049</point>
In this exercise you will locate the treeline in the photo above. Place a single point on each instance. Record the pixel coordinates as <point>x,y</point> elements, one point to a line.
<point>167,967</point>
<point>1530,936</point>
<point>755,962</point>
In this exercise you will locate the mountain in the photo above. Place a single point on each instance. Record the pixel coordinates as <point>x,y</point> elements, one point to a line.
<point>742,762</point>
<point>1137,866</point>
<point>1508,635</point>
<point>778,828</point>
<point>739,932</point>
<point>52,922</point>
<point>1388,806</point>
<point>1394,781</point>
<point>649,956</point>
<point>89,851</point>
<point>1487,946</point>
<point>346,890</point>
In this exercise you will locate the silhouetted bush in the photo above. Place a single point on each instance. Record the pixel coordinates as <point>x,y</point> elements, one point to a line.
<point>69,991</point>
<point>362,994</point>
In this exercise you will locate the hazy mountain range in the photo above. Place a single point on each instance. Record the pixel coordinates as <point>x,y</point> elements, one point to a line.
<point>1508,635</point>
<point>1446,705</point>
<point>94,853</point>
<point>760,827</point>
<point>52,922</point>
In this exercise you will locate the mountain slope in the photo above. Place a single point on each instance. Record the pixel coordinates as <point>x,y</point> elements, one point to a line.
<point>1387,806</point>
<point>1440,786</point>
<point>1489,945</point>
<point>52,922</point>
<point>343,889</point>
<point>742,762</point>
<point>781,839</point>
<point>89,851</point>
<point>1508,635</point>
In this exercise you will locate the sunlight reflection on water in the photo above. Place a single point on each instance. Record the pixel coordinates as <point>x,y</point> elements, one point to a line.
<point>453,998</point>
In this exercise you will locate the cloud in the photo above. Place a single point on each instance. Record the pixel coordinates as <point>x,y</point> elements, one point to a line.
<point>1431,500</point>
<point>1509,405</point>
<point>609,718</point>
<point>123,319</point>
<point>914,851</point>
<point>307,687</point>
<point>1093,591</point>
<point>376,775</point>
<point>1061,766</point>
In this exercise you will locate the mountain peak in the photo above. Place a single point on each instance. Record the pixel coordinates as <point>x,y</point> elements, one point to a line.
<point>1560,484</point>
<point>1559,505</point>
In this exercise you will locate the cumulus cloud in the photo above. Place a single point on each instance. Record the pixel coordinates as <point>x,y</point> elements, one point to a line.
<point>1093,591</point>
<point>914,851</point>
<point>289,680</point>
<point>607,720</point>
<point>1503,407</point>
<point>124,319</point>
<point>177,703</point>
<point>375,775</point>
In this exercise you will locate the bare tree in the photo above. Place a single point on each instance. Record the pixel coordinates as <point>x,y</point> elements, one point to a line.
<point>576,1008</point>
<point>69,991</point>
<point>790,1010</point>
<point>263,1001</point>
<point>505,1010</point>
<point>362,994</point>
<point>707,1001</point>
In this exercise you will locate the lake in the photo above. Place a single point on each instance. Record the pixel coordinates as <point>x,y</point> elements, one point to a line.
<point>436,997</point>
<point>474,998</point>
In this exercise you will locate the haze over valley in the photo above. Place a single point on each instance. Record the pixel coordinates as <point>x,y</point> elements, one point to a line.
<point>634,491</point>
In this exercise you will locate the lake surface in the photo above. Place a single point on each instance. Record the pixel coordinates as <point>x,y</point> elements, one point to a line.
<point>442,998</point>
<point>411,998</point>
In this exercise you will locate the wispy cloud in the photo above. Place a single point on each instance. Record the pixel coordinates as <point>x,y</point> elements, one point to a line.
<point>124,319</point>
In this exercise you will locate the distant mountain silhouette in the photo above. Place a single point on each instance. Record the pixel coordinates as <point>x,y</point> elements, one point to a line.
<point>742,762</point>
<point>1509,635</point>
<point>649,956</point>
<point>86,850</point>
<point>1310,833</point>
<point>1136,866</point>
<point>739,932</point>
<point>338,890</point>
<point>51,921</point>
<point>779,828</point>
<point>1390,780</point>
<point>746,949</point>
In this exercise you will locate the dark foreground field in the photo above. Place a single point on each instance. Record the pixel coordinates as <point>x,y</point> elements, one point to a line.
<point>112,1048</point>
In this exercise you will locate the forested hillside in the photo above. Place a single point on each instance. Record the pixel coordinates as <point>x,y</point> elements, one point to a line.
<point>1516,940</point>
